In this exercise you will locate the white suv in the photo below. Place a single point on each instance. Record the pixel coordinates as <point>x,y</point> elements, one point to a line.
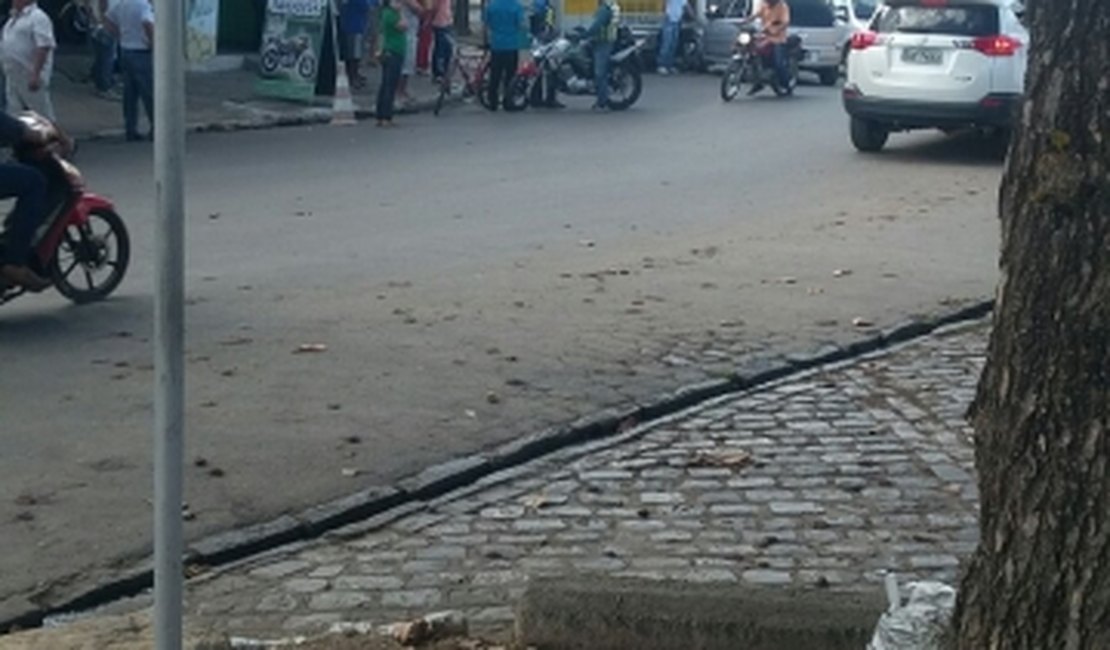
<point>945,64</point>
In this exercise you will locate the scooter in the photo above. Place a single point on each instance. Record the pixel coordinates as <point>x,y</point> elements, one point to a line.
<point>83,246</point>
<point>753,63</point>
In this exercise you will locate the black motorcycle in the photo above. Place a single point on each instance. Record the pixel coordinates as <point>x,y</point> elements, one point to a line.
<point>569,61</point>
<point>753,63</point>
<point>280,53</point>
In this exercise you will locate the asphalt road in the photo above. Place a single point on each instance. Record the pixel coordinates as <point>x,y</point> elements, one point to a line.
<point>474,277</point>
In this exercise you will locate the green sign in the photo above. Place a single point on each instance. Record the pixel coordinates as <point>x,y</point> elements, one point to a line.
<point>291,44</point>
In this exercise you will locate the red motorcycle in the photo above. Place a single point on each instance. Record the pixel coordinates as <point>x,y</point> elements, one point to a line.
<point>83,246</point>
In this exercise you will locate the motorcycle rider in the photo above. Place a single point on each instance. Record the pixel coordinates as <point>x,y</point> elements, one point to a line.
<point>775,16</point>
<point>603,31</point>
<point>28,186</point>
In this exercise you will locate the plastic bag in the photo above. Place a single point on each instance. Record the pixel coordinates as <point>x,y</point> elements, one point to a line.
<point>920,623</point>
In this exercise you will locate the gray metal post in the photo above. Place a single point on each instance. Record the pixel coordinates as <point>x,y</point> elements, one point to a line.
<point>169,324</point>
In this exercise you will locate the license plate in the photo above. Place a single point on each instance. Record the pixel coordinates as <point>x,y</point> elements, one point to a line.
<point>923,56</point>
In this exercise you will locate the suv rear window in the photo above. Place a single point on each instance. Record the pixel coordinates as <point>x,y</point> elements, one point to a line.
<point>811,13</point>
<point>966,20</point>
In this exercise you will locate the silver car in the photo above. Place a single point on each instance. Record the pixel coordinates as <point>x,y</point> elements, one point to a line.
<point>823,36</point>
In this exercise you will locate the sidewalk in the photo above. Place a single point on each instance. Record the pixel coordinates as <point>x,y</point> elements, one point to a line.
<point>222,100</point>
<point>822,481</point>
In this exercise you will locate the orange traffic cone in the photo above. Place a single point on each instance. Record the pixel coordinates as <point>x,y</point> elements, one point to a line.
<point>343,106</point>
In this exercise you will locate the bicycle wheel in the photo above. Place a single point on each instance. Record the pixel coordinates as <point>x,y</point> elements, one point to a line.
<point>444,90</point>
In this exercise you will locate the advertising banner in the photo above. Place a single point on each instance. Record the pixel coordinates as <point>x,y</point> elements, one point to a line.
<point>201,25</point>
<point>291,44</point>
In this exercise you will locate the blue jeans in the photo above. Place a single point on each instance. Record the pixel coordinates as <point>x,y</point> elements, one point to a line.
<point>28,186</point>
<point>387,91</point>
<point>104,59</point>
<point>138,84</point>
<point>668,44</point>
<point>602,53</point>
<point>779,57</point>
<point>441,55</point>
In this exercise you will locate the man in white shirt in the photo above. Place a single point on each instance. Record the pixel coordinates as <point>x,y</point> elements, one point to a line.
<point>132,21</point>
<point>27,52</point>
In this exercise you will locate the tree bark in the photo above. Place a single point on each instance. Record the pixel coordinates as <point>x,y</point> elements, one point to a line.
<point>1040,578</point>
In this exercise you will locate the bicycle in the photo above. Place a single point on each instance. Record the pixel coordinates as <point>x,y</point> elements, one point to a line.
<point>472,64</point>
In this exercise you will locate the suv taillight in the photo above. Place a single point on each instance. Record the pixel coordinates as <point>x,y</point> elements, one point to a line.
<point>864,40</point>
<point>996,45</point>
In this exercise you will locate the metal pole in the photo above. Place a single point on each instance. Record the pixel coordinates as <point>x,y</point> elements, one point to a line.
<point>169,289</point>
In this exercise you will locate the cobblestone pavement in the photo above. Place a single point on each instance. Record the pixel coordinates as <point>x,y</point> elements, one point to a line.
<point>824,480</point>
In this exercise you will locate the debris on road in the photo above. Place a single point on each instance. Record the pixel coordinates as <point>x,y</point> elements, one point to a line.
<point>305,348</point>
<point>349,472</point>
<point>722,458</point>
<point>859,321</point>
<point>432,627</point>
<point>840,273</point>
<point>493,398</point>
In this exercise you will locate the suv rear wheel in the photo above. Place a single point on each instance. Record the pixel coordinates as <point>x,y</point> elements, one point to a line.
<point>868,136</point>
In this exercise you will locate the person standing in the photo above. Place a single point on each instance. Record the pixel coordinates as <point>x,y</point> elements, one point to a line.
<point>353,17</point>
<point>132,21</point>
<point>104,52</point>
<point>410,10</point>
<point>603,31</point>
<point>504,21</point>
<point>391,58</point>
<point>542,26</point>
<point>27,51</point>
<point>668,42</point>
<point>443,19</point>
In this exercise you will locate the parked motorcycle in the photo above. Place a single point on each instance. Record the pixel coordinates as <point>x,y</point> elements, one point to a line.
<point>569,61</point>
<point>83,246</point>
<point>280,53</point>
<point>753,63</point>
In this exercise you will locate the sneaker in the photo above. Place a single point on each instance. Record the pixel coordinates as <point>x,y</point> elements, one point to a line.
<point>600,108</point>
<point>756,88</point>
<point>24,277</point>
<point>111,95</point>
<point>662,71</point>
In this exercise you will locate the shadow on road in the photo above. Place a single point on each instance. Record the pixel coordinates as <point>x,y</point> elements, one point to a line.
<point>113,317</point>
<point>963,148</point>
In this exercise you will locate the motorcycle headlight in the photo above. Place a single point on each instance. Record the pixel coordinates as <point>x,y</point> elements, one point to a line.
<point>744,38</point>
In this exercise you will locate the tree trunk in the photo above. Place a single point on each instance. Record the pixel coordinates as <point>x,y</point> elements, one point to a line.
<point>1040,578</point>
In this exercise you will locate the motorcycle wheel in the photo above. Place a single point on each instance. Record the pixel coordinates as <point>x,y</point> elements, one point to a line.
<point>483,93</point>
<point>101,246</point>
<point>306,67</point>
<point>519,95</point>
<point>732,80</point>
<point>269,62</point>
<point>627,82</point>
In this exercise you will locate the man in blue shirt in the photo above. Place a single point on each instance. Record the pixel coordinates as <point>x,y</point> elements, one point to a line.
<point>354,18</point>
<point>505,33</point>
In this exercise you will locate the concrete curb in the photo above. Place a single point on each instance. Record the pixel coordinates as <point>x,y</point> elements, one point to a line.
<point>435,481</point>
<point>266,119</point>
<point>601,613</point>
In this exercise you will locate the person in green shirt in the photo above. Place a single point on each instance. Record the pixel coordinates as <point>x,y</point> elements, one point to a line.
<point>391,56</point>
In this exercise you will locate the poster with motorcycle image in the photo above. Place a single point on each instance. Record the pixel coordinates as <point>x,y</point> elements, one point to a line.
<point>291,44</point>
